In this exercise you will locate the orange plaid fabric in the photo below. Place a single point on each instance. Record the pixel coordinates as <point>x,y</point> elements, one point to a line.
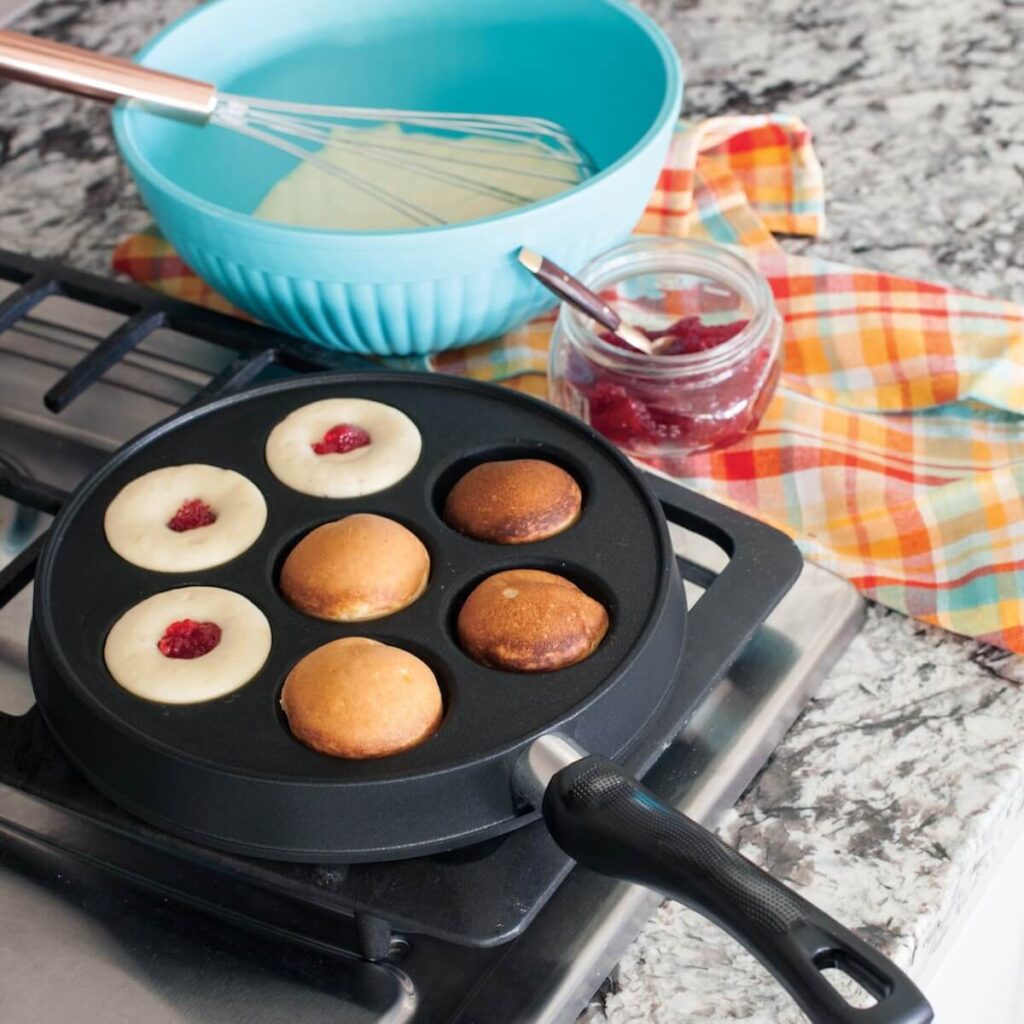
<point>893,451</point>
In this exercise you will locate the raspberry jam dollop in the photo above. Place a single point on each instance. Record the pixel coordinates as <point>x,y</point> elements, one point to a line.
<point>345,437</point>
<point>192,515</point>
<point>187,638</point>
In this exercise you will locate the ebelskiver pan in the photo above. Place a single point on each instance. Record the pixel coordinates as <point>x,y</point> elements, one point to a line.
<point>229,772</point>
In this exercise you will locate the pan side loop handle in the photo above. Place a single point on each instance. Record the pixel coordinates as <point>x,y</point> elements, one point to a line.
<point>71,69</point>
<point>610,823</point>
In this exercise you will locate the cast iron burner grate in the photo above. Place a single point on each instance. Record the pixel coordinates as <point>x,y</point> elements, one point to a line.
<point>478,897</point>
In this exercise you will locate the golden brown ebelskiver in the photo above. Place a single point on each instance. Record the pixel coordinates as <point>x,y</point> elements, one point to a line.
<point>357,568</point>
<point>530,621</point>
<point>359,698</point>
<point>517,501</point>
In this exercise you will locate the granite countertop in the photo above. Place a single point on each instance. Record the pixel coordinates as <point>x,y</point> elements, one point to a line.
<point>888,797</point>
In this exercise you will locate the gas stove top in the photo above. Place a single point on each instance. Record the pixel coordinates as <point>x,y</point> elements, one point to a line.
<point>111,916</point>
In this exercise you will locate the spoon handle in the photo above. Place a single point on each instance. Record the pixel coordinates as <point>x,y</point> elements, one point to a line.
<point>578,295</point>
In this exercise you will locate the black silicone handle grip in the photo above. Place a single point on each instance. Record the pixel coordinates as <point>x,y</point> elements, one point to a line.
<point>610,823</point>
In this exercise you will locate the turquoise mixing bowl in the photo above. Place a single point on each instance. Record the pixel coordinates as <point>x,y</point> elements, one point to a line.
<point>599,67</point>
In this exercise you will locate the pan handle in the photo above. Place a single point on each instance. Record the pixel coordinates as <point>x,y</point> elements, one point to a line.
<point>610,823</point>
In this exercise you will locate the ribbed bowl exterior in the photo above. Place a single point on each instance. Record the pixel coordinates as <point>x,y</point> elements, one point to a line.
<point>449,294</point>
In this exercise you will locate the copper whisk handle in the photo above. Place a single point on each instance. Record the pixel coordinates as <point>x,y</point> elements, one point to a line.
<point>70,69</point>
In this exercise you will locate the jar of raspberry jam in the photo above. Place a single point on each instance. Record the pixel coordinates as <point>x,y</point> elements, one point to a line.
<point>719,331</point>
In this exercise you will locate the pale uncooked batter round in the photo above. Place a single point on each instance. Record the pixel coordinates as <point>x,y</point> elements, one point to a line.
<point>137,521</point>
<point>133,656</point>
<point>393,449</point>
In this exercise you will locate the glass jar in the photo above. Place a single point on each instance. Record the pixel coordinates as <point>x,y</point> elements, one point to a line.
<point>663,408</point>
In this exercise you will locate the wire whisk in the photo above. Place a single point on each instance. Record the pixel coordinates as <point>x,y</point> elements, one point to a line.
<point>505,146</point>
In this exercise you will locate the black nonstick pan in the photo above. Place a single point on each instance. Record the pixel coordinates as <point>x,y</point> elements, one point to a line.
<point>228,772</point>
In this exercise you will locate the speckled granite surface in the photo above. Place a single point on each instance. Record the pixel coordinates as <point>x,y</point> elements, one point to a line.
<point>887,798</point>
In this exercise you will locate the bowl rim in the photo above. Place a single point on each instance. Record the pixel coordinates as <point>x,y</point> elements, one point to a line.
<point>140,165</point>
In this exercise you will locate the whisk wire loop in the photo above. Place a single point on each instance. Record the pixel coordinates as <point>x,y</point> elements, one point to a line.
<point>311,132</point>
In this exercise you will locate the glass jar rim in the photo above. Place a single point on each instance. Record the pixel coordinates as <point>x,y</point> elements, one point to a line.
<point>646,254</point>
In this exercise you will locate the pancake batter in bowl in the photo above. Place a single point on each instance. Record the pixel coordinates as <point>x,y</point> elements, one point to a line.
<point>442,174</point>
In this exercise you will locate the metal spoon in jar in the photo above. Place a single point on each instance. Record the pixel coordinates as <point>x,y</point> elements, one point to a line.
<point>579,296</point>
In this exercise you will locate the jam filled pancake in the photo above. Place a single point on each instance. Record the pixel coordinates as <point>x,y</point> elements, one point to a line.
<point>343,448</point>
<point>185,518</point>
<point>188,645</point>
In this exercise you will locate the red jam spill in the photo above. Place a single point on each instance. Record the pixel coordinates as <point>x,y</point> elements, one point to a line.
<point>192,514</point>
<point>187,638</point>
<point>345,437</point>
<point>648,416</point>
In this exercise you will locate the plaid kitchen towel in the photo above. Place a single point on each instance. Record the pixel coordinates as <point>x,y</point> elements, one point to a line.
<point>893,452</point>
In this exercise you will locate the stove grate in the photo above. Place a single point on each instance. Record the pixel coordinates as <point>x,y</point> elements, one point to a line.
<point>259,348</point>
